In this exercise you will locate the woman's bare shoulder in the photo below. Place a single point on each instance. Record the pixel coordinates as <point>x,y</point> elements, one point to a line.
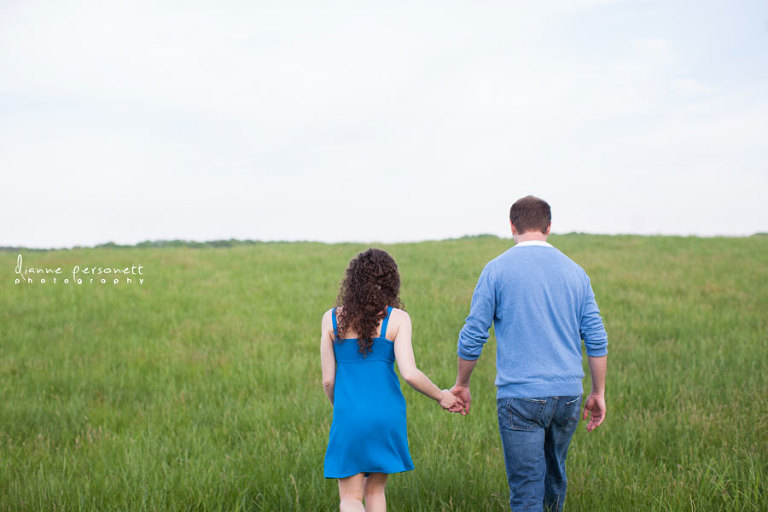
<point>328,320</point>
<point>327,324</point>
<point>397,319</point>
<point>399,314</point>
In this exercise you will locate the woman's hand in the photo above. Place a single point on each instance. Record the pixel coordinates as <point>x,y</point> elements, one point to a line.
<point>450,402</point>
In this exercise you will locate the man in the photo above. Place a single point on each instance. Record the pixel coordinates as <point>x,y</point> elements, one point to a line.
<point>542,306</point>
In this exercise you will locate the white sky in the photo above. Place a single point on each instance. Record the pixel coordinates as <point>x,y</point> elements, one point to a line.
<point>379,121</point>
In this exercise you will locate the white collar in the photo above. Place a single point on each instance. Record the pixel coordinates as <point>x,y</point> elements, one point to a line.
<point>533,242</point>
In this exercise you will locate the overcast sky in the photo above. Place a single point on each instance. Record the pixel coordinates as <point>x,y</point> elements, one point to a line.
<point>379,121</point>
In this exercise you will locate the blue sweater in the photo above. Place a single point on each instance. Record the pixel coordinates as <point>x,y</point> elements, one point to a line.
<point>542,305</point>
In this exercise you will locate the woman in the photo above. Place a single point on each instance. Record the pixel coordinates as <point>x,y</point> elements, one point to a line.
<point>361,339</point>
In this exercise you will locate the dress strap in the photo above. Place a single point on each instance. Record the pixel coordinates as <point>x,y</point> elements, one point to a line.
<point>333,318</point>
<point>385,322</point>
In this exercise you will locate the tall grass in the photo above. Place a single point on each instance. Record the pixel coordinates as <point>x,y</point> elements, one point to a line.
<point>200,389</point>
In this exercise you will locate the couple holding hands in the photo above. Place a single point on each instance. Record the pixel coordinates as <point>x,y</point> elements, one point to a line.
<point>542,306</point>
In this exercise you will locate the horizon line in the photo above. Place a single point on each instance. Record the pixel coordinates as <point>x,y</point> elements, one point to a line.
<point>229,242</point>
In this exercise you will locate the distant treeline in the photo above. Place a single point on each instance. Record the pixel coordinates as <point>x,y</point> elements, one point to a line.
<point>232,242</point>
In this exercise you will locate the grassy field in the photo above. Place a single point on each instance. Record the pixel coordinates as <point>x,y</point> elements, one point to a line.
<point>200,388</point>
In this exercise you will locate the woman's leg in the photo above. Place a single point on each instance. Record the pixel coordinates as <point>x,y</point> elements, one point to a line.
<point>375,501</point>
<point>351,493</point>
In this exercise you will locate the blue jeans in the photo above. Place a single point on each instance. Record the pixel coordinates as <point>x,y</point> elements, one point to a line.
<point>535,434</point>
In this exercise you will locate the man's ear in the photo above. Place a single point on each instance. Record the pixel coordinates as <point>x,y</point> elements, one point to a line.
<point>514,229</point>
<point>548,229</point>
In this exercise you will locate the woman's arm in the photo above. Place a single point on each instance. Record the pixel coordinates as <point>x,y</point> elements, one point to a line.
<point>327,357</point>
<point>406,364</point>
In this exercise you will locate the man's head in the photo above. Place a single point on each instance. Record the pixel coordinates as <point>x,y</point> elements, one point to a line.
<point>530,214</point>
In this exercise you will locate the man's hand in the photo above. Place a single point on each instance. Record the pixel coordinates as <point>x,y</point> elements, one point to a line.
<point>463,394</point>
<point>595,408</point>
<point>461,388</point>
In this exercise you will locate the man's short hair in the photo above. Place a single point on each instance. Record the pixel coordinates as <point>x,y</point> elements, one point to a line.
<point>530,214</point>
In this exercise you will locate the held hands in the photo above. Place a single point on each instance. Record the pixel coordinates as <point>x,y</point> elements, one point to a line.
<point>456,399</point>
<point>595,408</point>
<point>450,402</point>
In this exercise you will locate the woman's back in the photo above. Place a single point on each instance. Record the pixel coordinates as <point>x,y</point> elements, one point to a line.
<point>347,348</point>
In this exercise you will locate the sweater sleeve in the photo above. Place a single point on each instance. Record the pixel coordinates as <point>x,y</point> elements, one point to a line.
<point>591,326</point>
<point>475,332</point>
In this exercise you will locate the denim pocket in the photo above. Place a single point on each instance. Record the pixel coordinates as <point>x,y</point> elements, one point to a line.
<point>522,413</point>
<point>573,409</point>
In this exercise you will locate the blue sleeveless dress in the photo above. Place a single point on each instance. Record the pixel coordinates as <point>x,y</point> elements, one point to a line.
<point>369,431</point>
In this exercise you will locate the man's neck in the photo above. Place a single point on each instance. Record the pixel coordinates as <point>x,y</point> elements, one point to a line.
<point>529,236</point>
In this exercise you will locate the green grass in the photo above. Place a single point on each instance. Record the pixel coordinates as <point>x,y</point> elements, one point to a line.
<point>200,389</point>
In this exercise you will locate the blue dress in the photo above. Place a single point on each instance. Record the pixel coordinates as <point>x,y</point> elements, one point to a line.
<point>369,431</point>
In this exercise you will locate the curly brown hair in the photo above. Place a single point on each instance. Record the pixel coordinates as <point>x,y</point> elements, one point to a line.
<point>371,283</point>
